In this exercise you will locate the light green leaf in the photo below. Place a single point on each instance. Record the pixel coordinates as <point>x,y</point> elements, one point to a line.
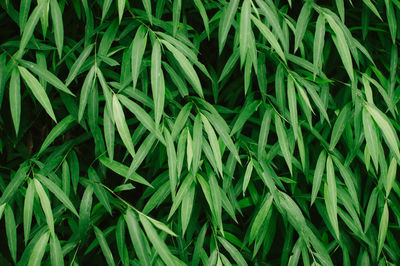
<point>225,22</point>
<point>339,126</point>
<point>121,7</point>
<point>38,251</point>
<point>14,184</point>
<point>318,47</point>
<point>342,46</point>
<point>15,98</point>
<point>73,72</point>
<point>259,219</point>
<point>157,82</point>
<point>318,172</point>
<point>157,242</point>
<point>57,131</point>
<point>187,68</point>
<point>237,257</point>
<point>11,231</point>
<point>46,75</point>
<point>28,210</point>
<point>45,202</point>
<point>212,138</point>
<point>330,195</point>
<point>171,154</point>
<point>122,127</point>
<point>386,128</point>
<point>302,23</point>
<point>383,226</point>
<point>137,237</point>
<point>58,26</point>
<point>104,246</point>
<point>37,91</point>
<point>147,7</point>
<point>245,28</point>
<point>30,25</point>
<point>85,91</point>
<point>138,48</point>
<point>56,254</point>
<point>269,36</point>
<point>61,196</point>
<point>283,141</point>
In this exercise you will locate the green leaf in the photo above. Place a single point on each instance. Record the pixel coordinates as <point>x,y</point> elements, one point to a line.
<point>39,250</point>
<point>187,68</point>
<point>106,7</point>
<point>237,257</point>
<point>383,226</point>
<point>157,82</point>
<point>84,211</point>
<point>171,154</point>
<point>15,183</point>
<point>123,170</point>
<point>104,246</point>
<point>259,219</point>
<point>147,7</point>
<point>58,26</point>
<point>157,242</point>
<point>386,128</point>
<point>57,131</point>
<point>37,91</point>
<point>11,231</point>
<point>57,191</point>
<point>137,237</point>
<point>318,172</point>
<point>225,22</point>
<point>138,48</point>
<point>245,28</point>
<point>15,98</point>
<point>371,137</point>
<point>56,254</point>
<point>318,46</point>
<point>301,24</point>
<point>76,67</point>
<point>390,176</point>
<point>143,117</point>
<point>186,208</point>
<point>121,7</point>
<point>30,25</point>
<point>371,6</point>
<point>339,126</point>
<point>28,210</point>
<point>392,20</point>
<point>330,195</point>
<point>203,14</point>
<point>342,46</point>
<point>122,127</point>
<point>87,87</point>
<point>45,202</point>
<point>269,36</point>
<point>283,142</point>
<point>24,8</point>
<point>212,138</point>
<point>244,115</point>
<point>176,15</point>
<point>46,75</point>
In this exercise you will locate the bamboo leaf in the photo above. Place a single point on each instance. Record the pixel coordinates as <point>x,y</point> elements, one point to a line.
<point>122,127</point>
<point>37,91</point>
<point>330,195</point>
<point>138,48</point>
<point>39,250</point>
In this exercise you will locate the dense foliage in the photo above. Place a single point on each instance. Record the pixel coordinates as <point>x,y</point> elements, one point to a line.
<point>199,132</point>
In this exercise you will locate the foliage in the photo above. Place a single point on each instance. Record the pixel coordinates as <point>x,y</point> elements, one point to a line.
<point>199,132</point>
